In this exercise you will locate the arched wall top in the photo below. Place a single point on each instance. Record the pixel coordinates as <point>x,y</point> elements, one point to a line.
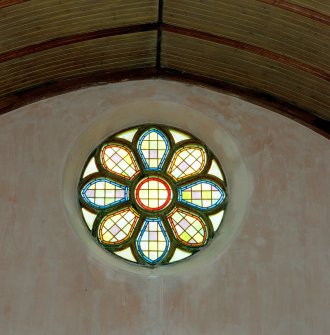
<point>271,52</point>
<point>67,85</point>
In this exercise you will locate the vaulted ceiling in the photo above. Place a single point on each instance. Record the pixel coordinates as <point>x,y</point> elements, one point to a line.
<point>273,52</point>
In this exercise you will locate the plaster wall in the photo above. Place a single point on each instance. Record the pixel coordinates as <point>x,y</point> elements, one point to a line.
<point>266,273</point>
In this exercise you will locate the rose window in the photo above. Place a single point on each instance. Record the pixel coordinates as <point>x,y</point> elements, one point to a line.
<point>152,195</point>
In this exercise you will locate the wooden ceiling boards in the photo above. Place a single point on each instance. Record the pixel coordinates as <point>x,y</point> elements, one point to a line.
<point>267,51</point>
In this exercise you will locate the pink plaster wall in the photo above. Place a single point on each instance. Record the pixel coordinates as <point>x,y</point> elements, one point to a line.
<point>274,279</point>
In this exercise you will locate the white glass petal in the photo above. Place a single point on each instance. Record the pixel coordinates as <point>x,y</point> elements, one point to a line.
<point>187,161</point>
<point>127,254</point>
<point>89,217</point>
<point>179,254</point>
<point>216,220</point>
<point>178,136</point>
<point>215,170</point>
<point>90,168</point>
<point>127,135</point>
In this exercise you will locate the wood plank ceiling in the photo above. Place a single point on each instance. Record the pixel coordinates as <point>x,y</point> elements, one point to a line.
<point>273,52</point>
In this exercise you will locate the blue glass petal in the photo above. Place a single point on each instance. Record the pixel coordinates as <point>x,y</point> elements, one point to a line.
<point>104,193</point>
<point>202,194</point>
<point>153,147</point>
<point>153,242</point>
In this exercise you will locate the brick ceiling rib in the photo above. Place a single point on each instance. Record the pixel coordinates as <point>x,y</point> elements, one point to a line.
<point>273,52</point>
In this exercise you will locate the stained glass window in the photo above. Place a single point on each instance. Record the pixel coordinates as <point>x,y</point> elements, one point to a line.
<point>152,195</point>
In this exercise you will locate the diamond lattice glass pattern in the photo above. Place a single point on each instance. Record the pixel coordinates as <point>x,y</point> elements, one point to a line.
<point>152,195</point>
<point>117,227</point>
<point>187,161</point>
<point>119,160</point>
<point>188,228</point>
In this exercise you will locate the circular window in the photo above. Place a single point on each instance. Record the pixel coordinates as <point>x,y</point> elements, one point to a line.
<point>152,195</point>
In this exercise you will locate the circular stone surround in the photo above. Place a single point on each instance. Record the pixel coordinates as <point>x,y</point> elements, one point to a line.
<point>127,115</point>
<point>153,193</point>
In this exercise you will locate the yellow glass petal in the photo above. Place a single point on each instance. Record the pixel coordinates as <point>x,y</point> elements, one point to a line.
<point>188,228</point>
<point>118,227</point>
<point>119,160</point>
<point>187,161</point>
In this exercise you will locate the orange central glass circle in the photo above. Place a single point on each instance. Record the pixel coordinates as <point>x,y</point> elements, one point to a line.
<point>153,193</point>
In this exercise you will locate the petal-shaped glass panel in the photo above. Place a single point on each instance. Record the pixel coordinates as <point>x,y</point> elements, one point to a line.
<point>153,242</point>
<point>188,228</point>
<point>119,160</point>
<point>117,227</point>
<point>104,193</point>
<point>153,147</point>
<point>187,161</point>
<point>202,194</point>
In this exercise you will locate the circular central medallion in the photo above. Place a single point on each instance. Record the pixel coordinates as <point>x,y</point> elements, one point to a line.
<point>153,193</point>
